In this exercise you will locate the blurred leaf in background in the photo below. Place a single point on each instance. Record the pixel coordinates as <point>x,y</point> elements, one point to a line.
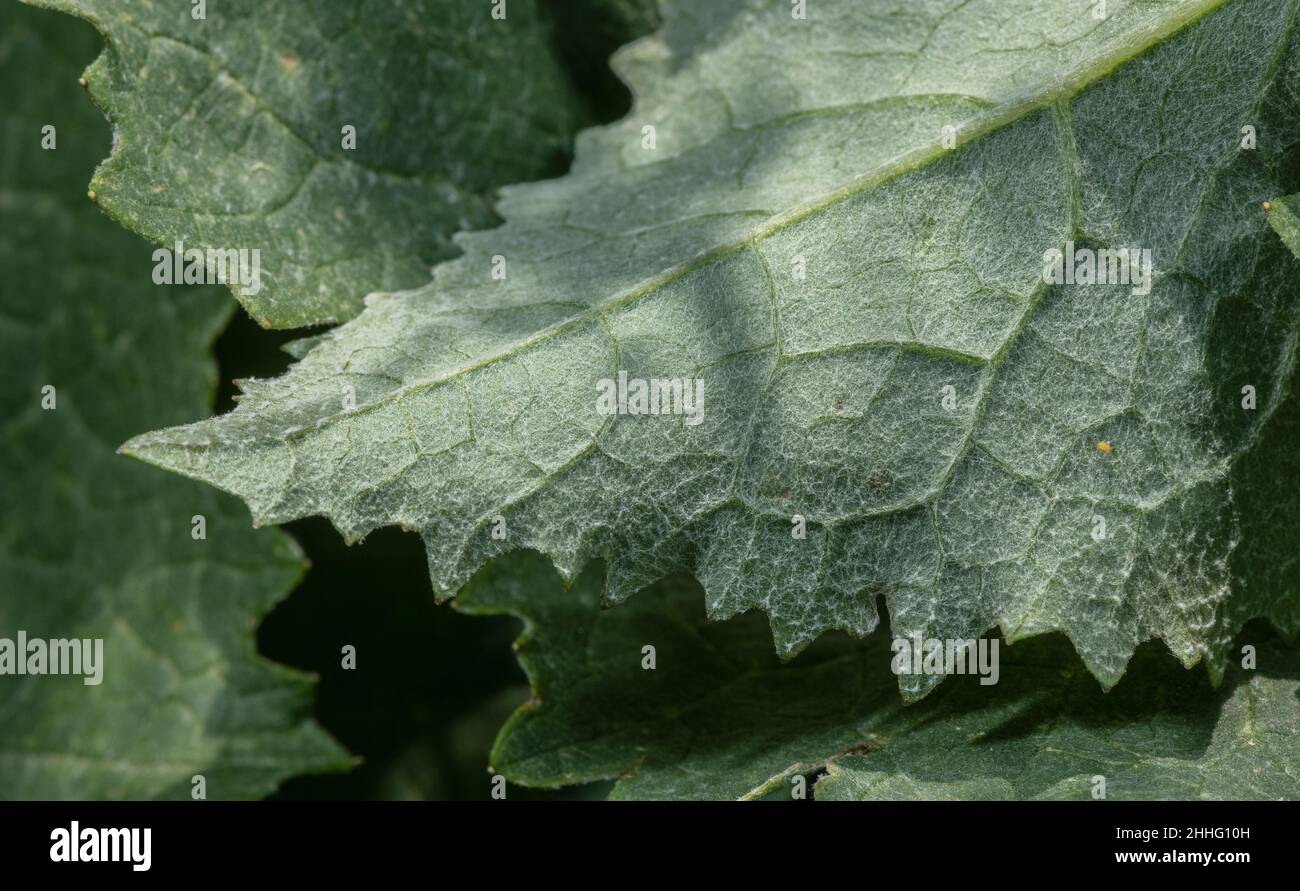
<point>92,545</point>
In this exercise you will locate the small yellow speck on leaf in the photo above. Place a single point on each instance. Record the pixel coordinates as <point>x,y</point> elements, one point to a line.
<point>91,194</point>
<point>1267,207</point>
<point>81,81</point>
<point>1104,447</point>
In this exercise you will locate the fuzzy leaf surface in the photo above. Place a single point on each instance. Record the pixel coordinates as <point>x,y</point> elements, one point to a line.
<point>229,134</point>
<point>802,239</point>
<point>1284,216</point>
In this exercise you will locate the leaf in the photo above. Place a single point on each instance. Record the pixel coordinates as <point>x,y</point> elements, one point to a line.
<point>229,134</point>
<point>467,409</point>
<point>1284,216</point>
<point>91,544</point>
<point>1166,741</point>
<point>720,717</point>
<point>1050,734</point>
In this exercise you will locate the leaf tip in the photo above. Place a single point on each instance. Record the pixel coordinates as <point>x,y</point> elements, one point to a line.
<point>130,447</point>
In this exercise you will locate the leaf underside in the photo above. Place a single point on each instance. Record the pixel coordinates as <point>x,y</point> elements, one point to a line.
<point>824,394</point>
<point>95,546</point>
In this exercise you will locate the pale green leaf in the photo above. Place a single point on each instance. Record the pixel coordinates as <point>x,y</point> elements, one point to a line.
<point>1284,216</point>
<point>91,544</point>
<point>802,239</point>
<point>229,133</point>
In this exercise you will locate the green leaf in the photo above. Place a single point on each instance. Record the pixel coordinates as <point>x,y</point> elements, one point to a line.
<point>91,544</point>
<point>1284,216</point>
<point>720,717</point>
<point>229,134</point>
<point>1049,733</point>
<point>803,241</point>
